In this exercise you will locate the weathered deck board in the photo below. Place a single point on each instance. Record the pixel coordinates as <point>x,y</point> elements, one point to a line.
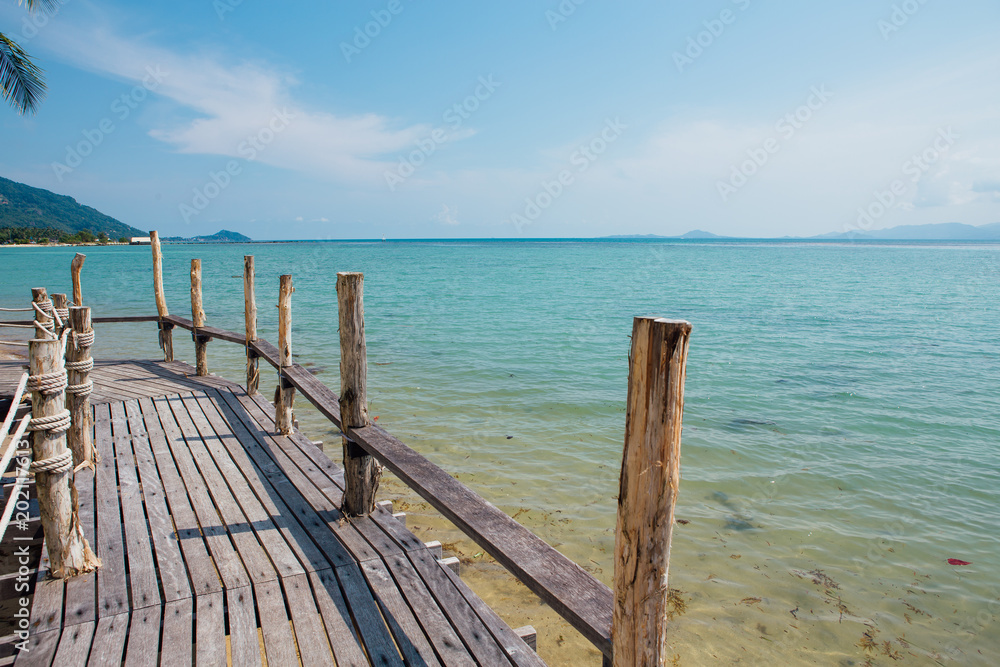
<point>81,591</point>
<point>142,573</point>
<point>74,646</point>
<point>223,543</point>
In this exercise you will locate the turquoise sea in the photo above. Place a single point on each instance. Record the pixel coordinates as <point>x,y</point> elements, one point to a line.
<point>842,422</point>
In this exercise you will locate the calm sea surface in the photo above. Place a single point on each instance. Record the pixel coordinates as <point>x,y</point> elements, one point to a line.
<point>842,420</point>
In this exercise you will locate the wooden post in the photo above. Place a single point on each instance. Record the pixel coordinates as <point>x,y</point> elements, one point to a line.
<point>61,305</point>
<point>286,392</point>
<point>648,490</point>
<point>76,267</point>
<point>78,367</point>
<point>198,319</point>
<point>250,315</point>
<point>166,328</point>
<point>69,552</point>
<point>40,296</point>
<point>362,472</point>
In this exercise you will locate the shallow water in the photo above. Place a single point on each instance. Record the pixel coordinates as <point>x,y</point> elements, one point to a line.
<point>841,421</point>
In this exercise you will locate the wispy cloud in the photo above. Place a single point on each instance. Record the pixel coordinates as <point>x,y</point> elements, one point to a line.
<point>235,101</point>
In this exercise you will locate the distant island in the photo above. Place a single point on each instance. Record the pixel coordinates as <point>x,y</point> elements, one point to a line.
<point>222,236</point>
<point>948,231</point>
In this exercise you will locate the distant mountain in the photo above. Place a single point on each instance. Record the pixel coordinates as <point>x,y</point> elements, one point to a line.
<point>947,231</point>
<point>23,206</point>
<point>699,234</point>
<point>222,236</point>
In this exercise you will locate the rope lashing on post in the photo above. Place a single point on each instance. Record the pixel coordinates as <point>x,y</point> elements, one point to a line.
<point>48,383</point>
<point>56,465</point>
<point>62,313</point>
<point>57,423</point>
<point>85,388</point>
<point>82,340</point>
<point>45,309</point>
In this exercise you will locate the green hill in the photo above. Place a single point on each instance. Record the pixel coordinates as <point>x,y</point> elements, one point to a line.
<point>221,236</point>
<point>24,206</point>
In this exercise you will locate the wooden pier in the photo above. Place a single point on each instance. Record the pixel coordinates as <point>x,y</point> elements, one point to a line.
<point>226,537</point>
<point>221,539</point>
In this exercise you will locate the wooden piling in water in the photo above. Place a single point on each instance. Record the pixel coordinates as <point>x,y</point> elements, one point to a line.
<point>647,492</point>
<point>198,319</point>
<point>75,268</point>
<point>286,392</point>
<point>69,552</point>
<point>362,472</point>
<point>166,328</point>
<point>78,366</point>
<point>250,315</point>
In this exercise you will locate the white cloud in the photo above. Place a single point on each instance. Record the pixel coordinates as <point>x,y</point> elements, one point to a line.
<point>236,102</point>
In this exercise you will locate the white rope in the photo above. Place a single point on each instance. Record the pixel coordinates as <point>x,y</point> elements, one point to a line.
<point>83,340</point>
<point>59,463</point>
<point>13,342</point>
<point>17,326</point>
<point>81,366</point>
<point>16,310</point>
<point>48,383</point>
<point>63,313</point>
<point>81,390</point>
<point>59,320</point>
<point>47,329</point>
<point>57,423</point>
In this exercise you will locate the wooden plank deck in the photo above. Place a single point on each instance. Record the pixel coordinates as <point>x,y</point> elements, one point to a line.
<point>223,543</point>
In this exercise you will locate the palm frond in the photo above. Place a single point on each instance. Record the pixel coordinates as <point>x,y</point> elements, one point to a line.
<point>31,5</point>
<point>21,81</point>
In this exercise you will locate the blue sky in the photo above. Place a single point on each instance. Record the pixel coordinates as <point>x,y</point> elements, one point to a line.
<point>577,118</point>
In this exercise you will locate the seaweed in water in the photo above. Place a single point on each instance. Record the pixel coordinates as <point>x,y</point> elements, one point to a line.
<point>869,640</point>
<point>818,577</point>
<point>750,601</point>
<point>676,604</point>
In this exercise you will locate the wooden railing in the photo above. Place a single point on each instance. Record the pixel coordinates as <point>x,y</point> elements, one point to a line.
<point>571,591</point>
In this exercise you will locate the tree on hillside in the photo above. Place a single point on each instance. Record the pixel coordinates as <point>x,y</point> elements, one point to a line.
<point>21,81</point>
